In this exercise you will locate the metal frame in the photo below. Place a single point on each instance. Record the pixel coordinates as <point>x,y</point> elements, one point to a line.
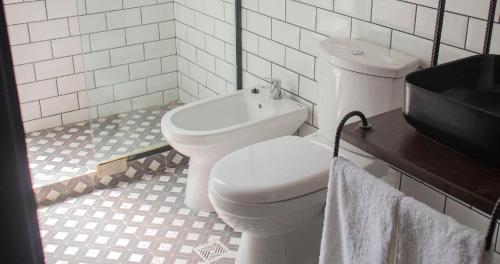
<point>239,46</point>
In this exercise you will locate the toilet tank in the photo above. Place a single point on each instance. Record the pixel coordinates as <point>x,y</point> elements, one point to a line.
<point>358,75</point>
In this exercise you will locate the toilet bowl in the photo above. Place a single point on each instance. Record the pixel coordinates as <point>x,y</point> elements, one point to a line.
<point>273,191</point>
<point>209,129</point>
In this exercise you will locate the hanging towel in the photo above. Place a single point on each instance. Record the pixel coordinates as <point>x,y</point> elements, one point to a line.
<point>428,236</point>
<point>360,216</point>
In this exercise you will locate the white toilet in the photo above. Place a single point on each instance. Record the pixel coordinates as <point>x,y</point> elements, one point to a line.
<point>209,129</point>
<point>273,191</point>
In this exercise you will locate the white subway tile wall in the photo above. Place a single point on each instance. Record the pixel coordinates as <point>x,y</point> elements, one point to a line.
<point>280,37</point>
<point>205,35</point>
<point>121,54</point>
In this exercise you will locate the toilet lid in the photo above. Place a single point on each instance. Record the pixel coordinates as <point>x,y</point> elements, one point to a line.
<point>272,171</point>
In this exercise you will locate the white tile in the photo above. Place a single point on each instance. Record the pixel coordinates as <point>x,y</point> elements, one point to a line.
<point>195,37</point>
<point>259,24</point>
<point>250,42</point>
<point>454,26</point>
<point>54,68</point>
<point>300,14</point>
<point>49,29</point>
<point>185,15</point>
<point>67,46</point>
<point>214,8</point>
<point>145,69</point>
<point>225,70</point>
<point>289,80</point>
<point>24,73</point>
<point>42,123</point>
<point>170,95</point>
<point>96,6</point>
<point>195,4</point>
<point>359,9</point>
<point>160,48</point>
<point>371,32</point>
<point>96,60</point>
<point>205,23</point>
<point>475,35</point>
<point>332,24</point>
<point>25,12</point>
<point>325,4</point>
<point>123,18</point>
<point>258,66</point>
<point>162,82</point>
<point>286,33</point>
<point>216,84</point>
<point>205,60</point>
<point>167,29</point>
<point>273,8</point>
<point>449,53</point>
<point>92,23</point>
<point>300,62</point>
<point>37,90</point>
<point>146,101</point>
<point>495,40</point>
<point>136,3</point>
<point>394,14</point>
<point>466,216</point>
<point>74,26</point>
<point>422,193</point>
<point>308,89</point>
<point>169,64</point>
<point>75,116</point>
<point>309,41</point>
<point>30,111</point>
<point>142,34</point>
<point>108,39</point>
<point>129,89</point>
<point>229,13</point>
<point>250,4</point>
<point>186,50</point>
<point>157,13</point>
<point>18,34</point>
<point>215,46</point>
<point>272,51</point>
<point>61,8</point>
<point>205,93</point>
<point>31,52</point>
<point>100,96</point>
<point>127,54</point>
<point>477,8</point>
<point>59,104</point>
<point>111,75</point>
<point>189,85</point>
<point>225,31</point>
<point>198,74</point>
<point>115,108</point>
<point>71,83</point>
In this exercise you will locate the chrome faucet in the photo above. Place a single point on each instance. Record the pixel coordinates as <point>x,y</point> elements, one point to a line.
<point>276,93</point>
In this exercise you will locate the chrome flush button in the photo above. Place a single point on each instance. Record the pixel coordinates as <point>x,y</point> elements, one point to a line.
<point>357,52</point>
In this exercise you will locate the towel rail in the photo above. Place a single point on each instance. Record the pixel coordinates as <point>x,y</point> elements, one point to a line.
<point>495,216</point>
<point>365,125</point>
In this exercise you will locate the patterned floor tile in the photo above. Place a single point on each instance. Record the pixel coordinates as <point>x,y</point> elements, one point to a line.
<point>142,221</point>
<point>62,153</point>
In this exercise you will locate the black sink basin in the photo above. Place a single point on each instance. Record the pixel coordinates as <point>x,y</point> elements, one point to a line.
<point>458,104</point>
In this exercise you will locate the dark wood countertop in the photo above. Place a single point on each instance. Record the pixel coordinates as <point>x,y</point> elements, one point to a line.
<point>395,141</point>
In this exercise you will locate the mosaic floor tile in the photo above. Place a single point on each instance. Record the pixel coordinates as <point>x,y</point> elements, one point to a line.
<point>142,221</point>
<point>61,153</point>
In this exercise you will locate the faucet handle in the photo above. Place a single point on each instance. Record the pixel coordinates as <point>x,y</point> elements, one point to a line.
<point>276,92</point>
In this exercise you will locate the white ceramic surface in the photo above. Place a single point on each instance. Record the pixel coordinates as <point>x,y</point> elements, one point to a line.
<point>209,129</point>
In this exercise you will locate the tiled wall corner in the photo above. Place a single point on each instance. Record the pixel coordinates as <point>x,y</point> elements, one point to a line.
<point>121,54</point>
<point>205,34</point>
<point>280,37</point>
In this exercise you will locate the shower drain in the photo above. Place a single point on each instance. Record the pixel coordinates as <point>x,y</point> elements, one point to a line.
<point>211,251</point>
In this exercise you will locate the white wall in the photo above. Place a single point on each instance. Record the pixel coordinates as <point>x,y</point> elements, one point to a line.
<point>280,36</point>
<point>205,47</point>
<point>124,51</point>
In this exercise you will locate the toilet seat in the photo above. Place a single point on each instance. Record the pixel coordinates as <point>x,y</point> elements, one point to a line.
<point>271,171</point>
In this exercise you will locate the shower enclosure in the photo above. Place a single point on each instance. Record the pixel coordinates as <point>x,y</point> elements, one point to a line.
<point>95,77</point>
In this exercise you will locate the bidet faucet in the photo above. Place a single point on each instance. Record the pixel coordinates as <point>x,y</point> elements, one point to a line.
<point>276,92</point>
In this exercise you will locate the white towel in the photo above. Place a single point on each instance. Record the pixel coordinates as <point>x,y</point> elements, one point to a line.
<point>360,216</point>
<point>428,236</point>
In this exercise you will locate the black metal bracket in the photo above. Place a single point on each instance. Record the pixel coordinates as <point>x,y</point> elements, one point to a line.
<point>439,28</point>
<point>364,125</point>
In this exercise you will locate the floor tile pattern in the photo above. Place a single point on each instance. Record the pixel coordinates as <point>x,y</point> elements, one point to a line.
<point>61,153</point>
<point>141,220</point>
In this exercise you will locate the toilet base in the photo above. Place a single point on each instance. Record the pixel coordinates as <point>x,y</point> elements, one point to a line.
<point>299,246</point>
<point>197,184</point>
